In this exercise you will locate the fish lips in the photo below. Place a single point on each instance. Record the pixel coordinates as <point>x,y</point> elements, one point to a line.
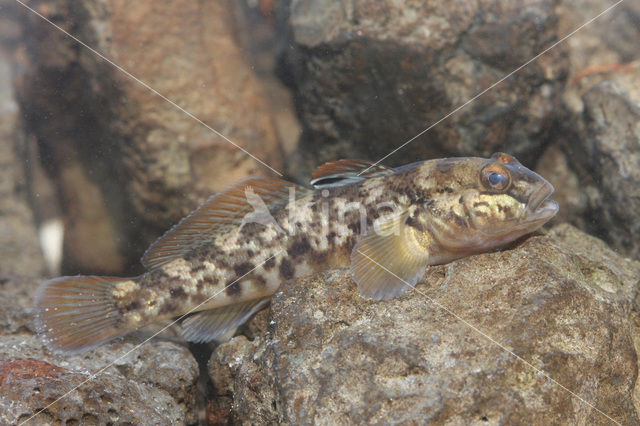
<point>539,207</point>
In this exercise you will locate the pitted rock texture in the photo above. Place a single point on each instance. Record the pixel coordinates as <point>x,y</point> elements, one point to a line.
<point>127,163</point>
<point>154,384</point>
<point>370,75</point>
<point>560,302</point>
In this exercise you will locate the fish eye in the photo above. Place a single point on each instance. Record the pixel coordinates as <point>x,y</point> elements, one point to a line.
<point>495,177</point>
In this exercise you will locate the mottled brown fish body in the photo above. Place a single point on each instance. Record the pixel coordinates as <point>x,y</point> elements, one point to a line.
<point>228,257</point>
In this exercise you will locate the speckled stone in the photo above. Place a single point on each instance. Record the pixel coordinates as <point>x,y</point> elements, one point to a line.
<point>561,302</point>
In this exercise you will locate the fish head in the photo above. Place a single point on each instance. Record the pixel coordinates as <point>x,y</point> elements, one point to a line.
<point>496,201</point>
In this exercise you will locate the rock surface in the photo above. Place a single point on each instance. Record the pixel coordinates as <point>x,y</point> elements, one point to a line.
<point>605,140</point>
<point>593,150</point>
<point>558,304</point>
<point>370,75</point>
<point>155,384</point>
<point>128,163</point>
<point>19,246</point>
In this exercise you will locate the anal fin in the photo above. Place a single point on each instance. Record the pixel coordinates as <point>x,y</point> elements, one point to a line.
<point>217,324</point>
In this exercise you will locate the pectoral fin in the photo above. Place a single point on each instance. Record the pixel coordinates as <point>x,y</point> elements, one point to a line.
<point>217,324</point>
<point>387,262</point>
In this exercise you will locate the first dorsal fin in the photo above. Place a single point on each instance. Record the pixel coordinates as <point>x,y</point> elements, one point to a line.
<point>346,172</point>
<point>249,200</point>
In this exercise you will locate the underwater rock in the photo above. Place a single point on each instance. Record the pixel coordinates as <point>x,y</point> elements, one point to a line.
<point>561,302</point>
<point>600,50</point>
<point>574,195</point>
<point>155,384</point>
<point>609,132</point>
<point>19,246</point>
<point>370,75</point>
<point>128,163</point>
<point>597,132</point>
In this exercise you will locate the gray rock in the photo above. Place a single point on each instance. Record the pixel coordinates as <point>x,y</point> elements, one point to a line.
<point>558,304</point>
<point>154,384</point>
<point>592,155</point>
<point>370,75</point>
<point>608,138</point>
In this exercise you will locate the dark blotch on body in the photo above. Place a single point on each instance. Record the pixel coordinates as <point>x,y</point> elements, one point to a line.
<point>233,289</point>
<point>459,220</point>
<point>286,269</point>
<point>132,306</point>
<point>446,189</point>
<point>331,236</point>
<point>299,247</point>
<point>261,281</point>
<point>178,292</point>
<point>169,307</point>
<point>413,222</point>
<point>198,268</point>
<point>243,268</point>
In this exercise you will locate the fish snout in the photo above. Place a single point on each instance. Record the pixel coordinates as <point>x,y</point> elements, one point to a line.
<point>539,206</point>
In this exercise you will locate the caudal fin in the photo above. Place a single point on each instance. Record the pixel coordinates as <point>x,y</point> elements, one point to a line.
<point>75,314</point>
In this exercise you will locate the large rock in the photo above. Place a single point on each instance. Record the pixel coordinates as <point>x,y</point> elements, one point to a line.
<point>370,75</point>
<point>609,132</point>
<point>537,333</point>
<point>127,163</point>
<point>602,49</point>
<point>19,246</point>
<point>115,383</point>
<point>596,174</point>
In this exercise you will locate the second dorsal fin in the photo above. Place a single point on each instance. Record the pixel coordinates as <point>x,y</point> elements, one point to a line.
<point>346,172</point>
<point>246,201</point>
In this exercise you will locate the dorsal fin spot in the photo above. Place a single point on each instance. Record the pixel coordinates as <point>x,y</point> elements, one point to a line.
<point>346,172</point>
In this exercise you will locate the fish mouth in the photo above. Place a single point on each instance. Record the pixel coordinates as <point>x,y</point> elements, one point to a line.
<point>539,207</point>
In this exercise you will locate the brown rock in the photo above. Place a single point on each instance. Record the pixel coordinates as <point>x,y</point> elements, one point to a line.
<point>128,164</point>
<point>558,304</point>
<point>19,245</point>
<point>370,75</point>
